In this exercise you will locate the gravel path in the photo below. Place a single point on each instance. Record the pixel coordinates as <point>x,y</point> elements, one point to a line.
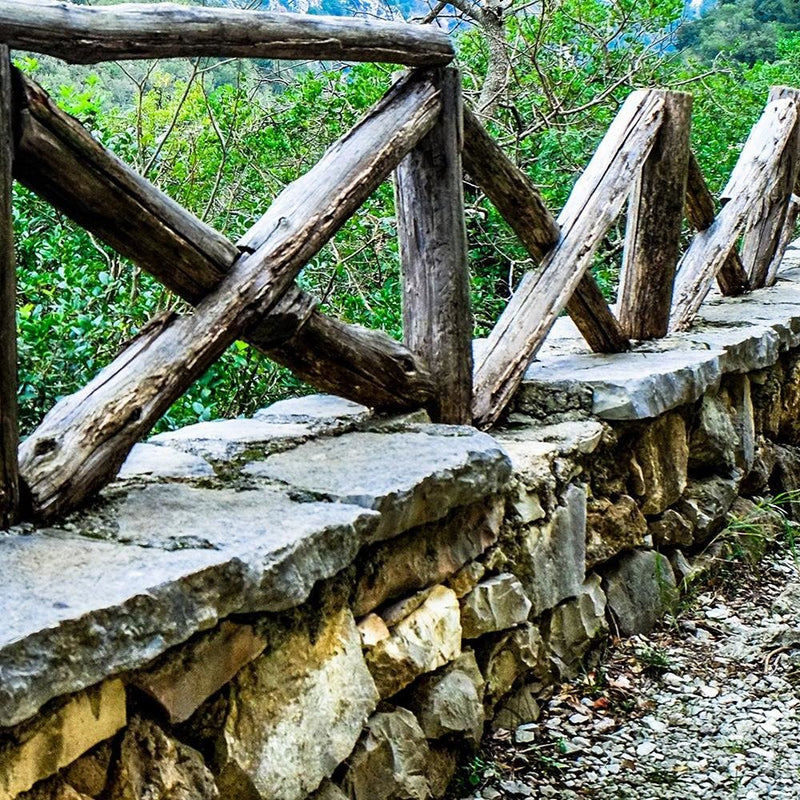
<point>706,708</point>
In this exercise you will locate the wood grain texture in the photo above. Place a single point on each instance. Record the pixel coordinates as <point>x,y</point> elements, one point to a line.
<point>653,235</point>
<point>594,203</point>
<point>84,439</point>
<point>9,426</point>
<point>701,211</point>
<point>749,181</point>
<point>521,206</point>
<point>58,159</point>
<point>429,197</point>
<point>762,237</point>
<point>85,34</point>
<point>787,236</point>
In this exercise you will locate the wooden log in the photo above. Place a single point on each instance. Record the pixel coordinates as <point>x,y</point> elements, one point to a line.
<point>429,199</point>
<point>522,207</point>
<point>763,234</point>
<point>9,425</point>
<point>84,439</point>
<point>756,166</point>
<point>593,205</point>
<point>57,158</point>
<point>653,235</point>
<point>86,34</point>
<point>787,235</point>
<point>701,211</point>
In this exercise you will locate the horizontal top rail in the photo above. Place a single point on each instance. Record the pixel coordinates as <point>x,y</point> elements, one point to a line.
<point>87,35</point>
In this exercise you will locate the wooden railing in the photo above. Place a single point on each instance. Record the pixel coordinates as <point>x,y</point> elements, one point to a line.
<point>421,132</point>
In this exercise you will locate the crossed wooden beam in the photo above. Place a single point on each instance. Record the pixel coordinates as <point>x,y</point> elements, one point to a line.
<point>419,130</point>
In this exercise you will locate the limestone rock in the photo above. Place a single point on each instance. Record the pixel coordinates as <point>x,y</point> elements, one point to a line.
<point>742,399</point>
<point>494,604</point>
<point>640,589</point>
<point>575,626</point>
<point>612,528</point>
<point>151,461</point>
<point>52,740</point>
<point>521,708</point>
<point>89,774</point>
<point>53,789</point>
<point>765,456</point>
<point>425,640</point>
<point>767,391</point>
<point>427,555</point>
<point>715,444</point>
<point>152,764</point>
<point>323,412</point>
<point>551,559</point>
<point>328,791</point>
<point>76,609</point>
<point>182,681</point>
<point>450,701</point>
<point>373,630</point>
<point>706,502</point>
<point>786,476</point>
<point>467,578</point>
<point>622,386</point>
<point>226,440</point>
<point>789,426</point>
<point>661,457</point>
<point>671,530</point>
<point>296,712</point>
<point>442,765</point>
<point>411,478</point>
<point>521,652</point>
<point>391,761</point>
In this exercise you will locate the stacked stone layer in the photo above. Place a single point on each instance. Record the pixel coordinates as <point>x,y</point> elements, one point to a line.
<point>318,603</point>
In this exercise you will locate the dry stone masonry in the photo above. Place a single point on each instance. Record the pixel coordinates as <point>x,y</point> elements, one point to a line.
<point>318,603</point>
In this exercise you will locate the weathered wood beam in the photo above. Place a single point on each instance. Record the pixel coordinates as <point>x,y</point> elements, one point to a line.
<point>429,198</point>
<point>787,235</point>
<point>9,426</point>
<point>593,205</point>
<point>762,237</point>
<point>84,439</point>
<point>86,34</point>
<point>750,179</point>
<point>653,235</point>
<point>522,207</point>
<point>58,159</point>
<point>701,211</point>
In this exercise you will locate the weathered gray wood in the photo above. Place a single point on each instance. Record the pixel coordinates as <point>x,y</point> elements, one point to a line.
<point>58,159</point>
<point>84,439</point>
<point>9,426</point>
<point>653,235</point>
<point>522,207</point>
<point>701,211</point>
<point>594,319</point>
<point>787,235</point>
<point>763,234</point>
<point>84,34</point>
<point>593,205</point>
<point>756,166</point>
<point>429,198</point>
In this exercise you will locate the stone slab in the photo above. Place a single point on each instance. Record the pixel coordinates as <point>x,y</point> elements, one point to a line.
<point>324,412</point>
<point>229,439</point>
<point>154,461</point>
<point>77,609</point>
<point>732,334</point>
<point>411,478</point>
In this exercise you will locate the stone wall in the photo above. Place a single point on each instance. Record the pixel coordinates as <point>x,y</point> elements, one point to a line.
<point>318,603</point>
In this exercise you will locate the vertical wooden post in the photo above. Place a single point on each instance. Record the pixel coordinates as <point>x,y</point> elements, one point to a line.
<point>9,431</point>
<point>429,198</point>
<point>655,214</point>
